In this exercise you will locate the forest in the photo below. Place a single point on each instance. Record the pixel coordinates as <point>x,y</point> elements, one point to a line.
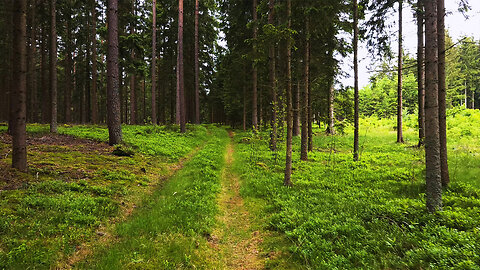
<point>220,134</point>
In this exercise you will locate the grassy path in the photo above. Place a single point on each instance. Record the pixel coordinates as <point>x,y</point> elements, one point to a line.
<point>234,239</point>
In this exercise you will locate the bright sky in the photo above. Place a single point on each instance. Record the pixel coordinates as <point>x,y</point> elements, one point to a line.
<point>457,25</point>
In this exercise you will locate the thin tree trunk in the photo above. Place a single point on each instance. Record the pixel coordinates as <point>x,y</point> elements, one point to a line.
<point>181,117</point>
<point>432,137</point>
<point>421,73</point>
<point>19,87</point>
<point>254,66</point>
<point>68,73</point>
<point>154,62</point>
<point>133,97</point>
<point>296,109</point>
<point>113,99</point>
<point>287,181</point>
<point>273,87</point>
<point>442,93</point>
<point>93,93</point>
<point>309,104</point>
<point>356,89</point>
<point>331,110</point>
<point>32,63</point>
<point>197,68</point>
<point>304,106</point>
<point>44,79</point>
<point>53,67</point>
<point>400,71</point>
<point>244,118</point>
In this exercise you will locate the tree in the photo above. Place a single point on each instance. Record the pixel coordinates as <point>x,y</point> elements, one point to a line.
<point>93,94</point>
<point>68,65</point>
<point>197,68</point>
<point>113,95</point>
<point>273,79</point>
<point>154,61</point>
<point>432,136</point>
<point>355,71</point>
<point>181,118</point>
<point>288,166</point>
<point>400,71</point>
<point>133,98</point>
<point>19,87</point>
<point>304,105</point>
<point>53,67</point>
<point>420,73</point>
<point>254,66</point>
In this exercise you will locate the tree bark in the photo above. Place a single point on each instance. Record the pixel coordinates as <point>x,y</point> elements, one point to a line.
<point>296,105</point>
<point>19,87</point>
<point>304,106</point>
<point>356,89</point>
<point>68,72</point>
<point>197,67</point>
<point>400,71</point>
<point>53,67</point>
<point>272,78</point>
<point>432,137</point>
<point>44,79</point>
<point>442,93</point>
<point>113,98</point>
<point>133,96</point>
<point>93,92</point>
<point>254,66</point>
<point>154,62</point>
<point>421,73</point>
<point>181,117</point>
<point>288,160</point>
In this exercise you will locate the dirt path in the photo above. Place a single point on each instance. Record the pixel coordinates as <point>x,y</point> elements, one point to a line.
<point>234,239</point>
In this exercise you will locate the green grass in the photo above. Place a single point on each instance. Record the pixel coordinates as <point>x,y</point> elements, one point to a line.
<point>71,190</point>
<point>169,231</point>
<point>370,214</point>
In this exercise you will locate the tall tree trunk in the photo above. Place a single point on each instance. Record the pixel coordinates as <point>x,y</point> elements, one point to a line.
<point>19,87</point>
<point>304,106</point>
<point>113,99</point>
<point>309,104</point>
<point>296,104</point>
<point>432,137</point>
<point>44,79</point>
<point>32,63</point>
<point>331,110</point>
<point>254,66</point>
<point>355,72</point>
<point>273,87</point>
<point>154,62</point>
<point>93,92</point>
<point>421,73</point>
<point>244,118</point>
<point>287,181</point>
<point>400,71</point>
<point>442,93</point>
<point>181,117</point>
<point>53,66</point>
<point>197,68</point>
<point>133,97</point>
<point>68,72</point>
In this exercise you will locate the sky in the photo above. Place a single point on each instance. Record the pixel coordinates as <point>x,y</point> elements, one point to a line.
<point>456,24</point>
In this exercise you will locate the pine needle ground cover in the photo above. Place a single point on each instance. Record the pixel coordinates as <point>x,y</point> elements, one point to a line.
<point>370,214</point>
<point>77,190</point>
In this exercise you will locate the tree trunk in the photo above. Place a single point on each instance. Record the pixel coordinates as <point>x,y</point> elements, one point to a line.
<point>355,72</point>
<point>32,63</point>
<point>44,79</point>
<point>288,160</point>
<point>113,99</point>
<point>304,106</point>
<point>296,109</point>
<point>442,93</point>
<point>244,114</point>
<point>154,62</point>
<point>421,73</point>
<point>331,110</point>
<point>254,66</point>
<point>197,68</point>
<point>432,137</point>
<point>19,87</point>
<point>53,67</point>
<point>400,71</point>
<point>133,97</point>
<point>271,56</point>
<point>309,104</point>
<point>93,92</point>
<point>181,117</point>
<point>68,73</point>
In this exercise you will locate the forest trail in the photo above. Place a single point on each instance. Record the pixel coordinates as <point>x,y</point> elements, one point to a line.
<point>234,239</point>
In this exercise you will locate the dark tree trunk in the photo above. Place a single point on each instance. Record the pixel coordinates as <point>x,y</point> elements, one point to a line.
<point>273,87</point>
<point>254,66</point>
<point>181,117</point>
<point>93,93</point>
<point>133,97</point>
<point>31,62</point>
<point>154,62</point>
<point>296,109</point>
<point>113,99</point>
<point>355,71</point>
<point>288,160</point>
<point>244,114</point>
<point>432,137</point>
<point>68,73</point>
<point>53,67</point>
<point>19,87</point>
<point>442,93</point>
<point>400,71</point>
<point>44,79</point>
<point>197,68</point>
<point>310,114</point>
<point>421,73</point>
<point>304,105</point>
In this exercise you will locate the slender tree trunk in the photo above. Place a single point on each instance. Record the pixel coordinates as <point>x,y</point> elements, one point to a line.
<point>400,71</point>
<point>53,67</point>
<point>421,73</point>
<point>432,137</point>
<point>93,92</point>
<point>68,73</point>
<point>154,62</point>
<point>296,109</point>
<point>304,106</point>
<point>355,71</point>
<point>133,97</point>
<point>19,87</point>
<point>331,110</point>
<point>309,104</point>
<point>197,68</point>
<point>181,117</point>
<point>113,99</point>
<point>254,66</point>
<point>32,63</point>
<point>442,93</point>
<point>288,160</point>
<point>244,119</point>
<point>271,56</point>
<point>44,79</point>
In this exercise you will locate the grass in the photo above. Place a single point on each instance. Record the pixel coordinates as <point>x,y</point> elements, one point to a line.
<point>76,188</point>
<point>371,214</point>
